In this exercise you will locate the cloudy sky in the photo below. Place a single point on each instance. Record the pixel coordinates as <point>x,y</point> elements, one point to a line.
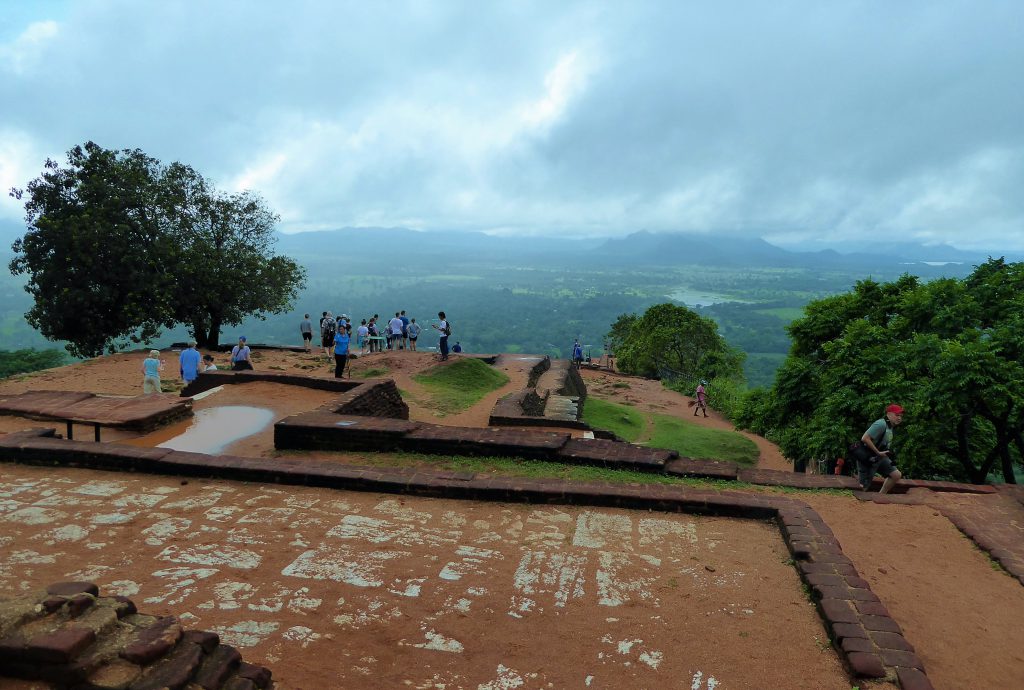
<point>799,122</point>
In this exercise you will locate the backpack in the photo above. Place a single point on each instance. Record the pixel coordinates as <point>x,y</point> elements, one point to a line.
<point>447,327</point>
<point>330,326</point>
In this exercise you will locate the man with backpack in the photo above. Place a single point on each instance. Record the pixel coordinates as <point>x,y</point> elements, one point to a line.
<point>875,454</point>
<point>445,329</point>
<point>328,327</point>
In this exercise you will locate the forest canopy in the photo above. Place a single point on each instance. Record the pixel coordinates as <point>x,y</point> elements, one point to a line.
<point>949,351</point>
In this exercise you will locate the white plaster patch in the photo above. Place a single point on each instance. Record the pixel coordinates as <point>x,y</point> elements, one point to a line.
<point>603,531</point>
<point>243,535</point>
<point>221,513</point>
<point>65,533</point>
<point>181,583</point>
<point>540,572</point>
<point>301,634</point>
<point>159,532</point>
<point>8,504</point>
<point>407,588</point>
<point>667,534</point>
<point>245,633</point>
<point>547,528</point>
<point>652,659</point>
<point>229,595</point>
<point>342,564</point>
<point>91,572</point>
<point>28,557</point>
<point>123,588</point>
<point>437,642</point>
<point>698,680</point>
<point>165,490</point>
<point>212,554</point>
<point>266,516</point>
<point>614,590</point>
<point>34,515</point>
<point>472,561</point>
<point>138,500</point>
<point>113,518</point>
<point>399,511</point>
<point>207,500</point>
<point>100,488</point>
<point>507,680</point>
<point>377,531</point>
<point>376,611</point>
<point>301,603</point>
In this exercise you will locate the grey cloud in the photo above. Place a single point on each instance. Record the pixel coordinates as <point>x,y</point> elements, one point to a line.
<point>849,121</point>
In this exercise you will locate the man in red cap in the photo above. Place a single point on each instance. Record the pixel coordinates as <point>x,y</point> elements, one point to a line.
<point>877,442</point>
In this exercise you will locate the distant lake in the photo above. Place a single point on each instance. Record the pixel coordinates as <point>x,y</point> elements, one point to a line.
<point>699,299</point>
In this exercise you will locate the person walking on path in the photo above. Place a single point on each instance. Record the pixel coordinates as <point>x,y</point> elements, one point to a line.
<point>188,363</point>
<point>702,399</point>
<point>151,367</point>
<point>240,356</point>
<point>577,354</point>
<point>341,341</point>
<point>445,329</point>
<point>306,329</point>
<point>414,333</point>
<point>876,455</point>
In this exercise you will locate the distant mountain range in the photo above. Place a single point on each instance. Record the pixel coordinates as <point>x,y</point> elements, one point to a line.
<point>638,249</point>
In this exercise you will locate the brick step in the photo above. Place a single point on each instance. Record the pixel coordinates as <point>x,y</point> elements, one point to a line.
<point>69,636</point>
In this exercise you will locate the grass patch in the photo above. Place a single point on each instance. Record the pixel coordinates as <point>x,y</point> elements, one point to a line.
<point>373,373</point>
<point>459,385</point>
<point>691,440</point>
<point>622,421</point>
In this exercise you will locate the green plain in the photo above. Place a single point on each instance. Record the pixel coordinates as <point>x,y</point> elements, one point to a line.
<point>624,422</point>
<point>459,385</point>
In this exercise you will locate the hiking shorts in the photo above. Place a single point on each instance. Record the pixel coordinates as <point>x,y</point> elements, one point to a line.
<point>307,336</point>
<point>866,470</point>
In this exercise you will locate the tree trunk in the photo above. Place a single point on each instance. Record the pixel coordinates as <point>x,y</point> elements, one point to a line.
<point>1007,463</point>
<point>213,337</point>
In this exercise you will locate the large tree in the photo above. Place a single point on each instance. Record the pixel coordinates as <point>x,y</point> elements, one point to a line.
<point>119,246</point>
<point>950,351</point>
<point>673,343</point>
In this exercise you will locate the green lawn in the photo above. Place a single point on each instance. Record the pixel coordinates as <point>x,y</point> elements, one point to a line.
<point>459,385</point>
<point>694,441</point>
<point>686,438</point>
<point>372,373</point>
<point>624,422</point>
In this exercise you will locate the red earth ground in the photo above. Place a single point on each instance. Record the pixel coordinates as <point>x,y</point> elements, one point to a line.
<point>250,561</point>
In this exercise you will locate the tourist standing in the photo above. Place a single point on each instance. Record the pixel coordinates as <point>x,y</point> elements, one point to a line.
<point>341,342</point>
<point>188,363</point>
<point>395,332</point>
<point>445,329</point>
<point>306,329</point>
<point>362,333</point>
<point>241,356</point>
<point>328,327</point>
<point>151,367</point>
<point>414,333</point>
<point>405,329</point>
<point>877,455</point>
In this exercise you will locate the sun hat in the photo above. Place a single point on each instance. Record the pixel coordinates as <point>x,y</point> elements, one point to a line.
<point>894,408</point>
<point>242,338</point>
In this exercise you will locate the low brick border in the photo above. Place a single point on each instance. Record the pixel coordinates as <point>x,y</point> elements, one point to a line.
<point>70,636</point>
<point>869,642</point>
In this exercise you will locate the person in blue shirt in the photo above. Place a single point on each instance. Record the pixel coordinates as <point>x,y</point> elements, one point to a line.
<point>341,341</point>
<point>457,347</point>
<point>577,354</point>
<point>151,367</point>
<point>188,363</point>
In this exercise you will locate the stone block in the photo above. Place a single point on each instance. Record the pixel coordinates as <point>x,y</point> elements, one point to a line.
<point>153,642</point>
<point>217,667</point>
<point>888,640</point>
<point>880,624</point>
<point>60,646</point>
<point>172,671</point>
<point>913,679</point>
<point>207,640</point>
<point>69,589</point>
<point>845,630</point>
<point>259,675</point>
<point>895,657</point>
<point>838,611</point>
<point>865,665</point>
<point>856,644</point>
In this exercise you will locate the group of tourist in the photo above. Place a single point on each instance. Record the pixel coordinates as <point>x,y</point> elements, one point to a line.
<point>190,364</point>
<point>371,335</point>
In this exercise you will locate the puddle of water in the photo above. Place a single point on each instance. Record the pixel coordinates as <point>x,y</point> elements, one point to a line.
<point>213,429</point>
